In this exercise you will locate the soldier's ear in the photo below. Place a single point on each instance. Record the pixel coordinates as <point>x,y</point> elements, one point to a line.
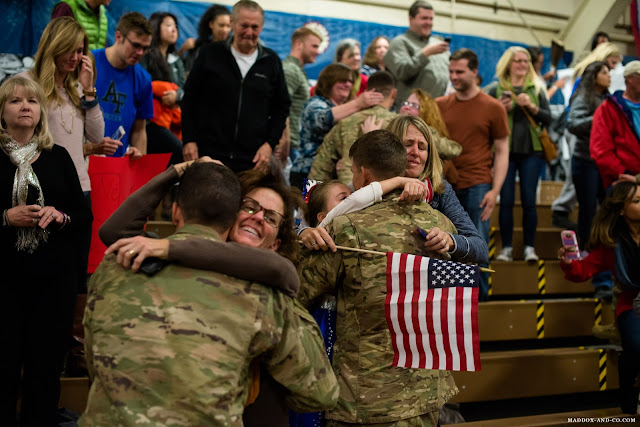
<point>176,215</point>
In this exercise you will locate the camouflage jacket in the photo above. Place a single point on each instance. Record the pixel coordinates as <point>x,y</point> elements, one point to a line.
<point>371,390</point>
<point>175,348</point>
<point>338,141</point>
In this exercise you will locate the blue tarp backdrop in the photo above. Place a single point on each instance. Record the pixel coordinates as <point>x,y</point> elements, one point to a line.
<point>24,21</point>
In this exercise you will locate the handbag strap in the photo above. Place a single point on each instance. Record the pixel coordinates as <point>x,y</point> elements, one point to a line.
<point>533,122</point>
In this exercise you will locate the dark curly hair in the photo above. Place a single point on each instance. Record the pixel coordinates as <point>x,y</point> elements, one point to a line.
<point>251,180</point>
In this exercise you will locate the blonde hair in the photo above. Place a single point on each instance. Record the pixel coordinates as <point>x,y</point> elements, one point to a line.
<point>433,168</point>
<point>62,35</point>
<point>600,53</point>
<point>41,131</point>
<point>429,112</point>
<point>504,63</point>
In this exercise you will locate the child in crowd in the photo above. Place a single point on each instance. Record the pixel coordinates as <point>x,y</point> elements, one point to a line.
<point>615,246</point>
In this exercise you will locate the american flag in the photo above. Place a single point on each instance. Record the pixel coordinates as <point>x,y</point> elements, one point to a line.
<point>432,313</point>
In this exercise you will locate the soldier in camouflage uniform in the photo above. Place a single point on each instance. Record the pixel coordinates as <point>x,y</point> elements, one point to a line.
<point>337,142</point>
<point>175,349</point>
<point>371,390</point>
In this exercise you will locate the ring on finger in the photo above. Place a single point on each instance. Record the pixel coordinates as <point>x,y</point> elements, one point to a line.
<point>35,220</point>
<point>314,244</point>
<point>53,216</point>
<point>132,252</point>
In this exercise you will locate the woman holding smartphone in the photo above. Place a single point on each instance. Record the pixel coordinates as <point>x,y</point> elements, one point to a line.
<point>519,91</point>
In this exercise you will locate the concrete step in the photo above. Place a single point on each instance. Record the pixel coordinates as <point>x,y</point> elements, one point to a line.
<point>531,373</point>
<point>542,278</point>
<point>539,319</point>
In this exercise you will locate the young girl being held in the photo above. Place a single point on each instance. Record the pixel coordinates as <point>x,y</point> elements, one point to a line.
<point>615,245</point>
<point>330,199</point>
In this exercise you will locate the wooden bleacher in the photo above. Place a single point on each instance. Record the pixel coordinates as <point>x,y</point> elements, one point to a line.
<point>522,295</point>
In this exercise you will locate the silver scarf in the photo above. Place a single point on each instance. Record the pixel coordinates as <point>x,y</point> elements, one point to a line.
<point>28,238</point>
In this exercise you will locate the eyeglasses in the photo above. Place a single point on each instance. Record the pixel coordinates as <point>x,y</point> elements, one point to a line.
<point>411,104</point>
<point>137,46</point>
<point>345,81</point>
<point>521,61</point>
<point>271,217</point>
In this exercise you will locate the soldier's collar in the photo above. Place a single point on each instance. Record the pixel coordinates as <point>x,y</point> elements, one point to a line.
<point>199,230</point>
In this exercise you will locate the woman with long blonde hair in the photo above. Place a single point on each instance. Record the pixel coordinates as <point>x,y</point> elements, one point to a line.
<point>605,52</point>
<point>522,95</point>
<point>43,210</point>
<point>65,69</point>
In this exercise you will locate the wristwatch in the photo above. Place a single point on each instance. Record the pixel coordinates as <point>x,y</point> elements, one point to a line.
<point>92,92</point>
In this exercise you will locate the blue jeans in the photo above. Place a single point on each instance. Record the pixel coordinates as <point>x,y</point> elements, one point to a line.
<point>470,199</point>
<point>528,168</point>
<point>586,179</point>
<point>629,361</point>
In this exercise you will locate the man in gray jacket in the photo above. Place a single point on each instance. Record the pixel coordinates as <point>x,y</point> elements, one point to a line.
<point>416,59</point>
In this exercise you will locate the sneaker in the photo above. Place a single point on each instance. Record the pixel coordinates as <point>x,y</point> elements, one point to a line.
<point>505,254</point>
<point>561,219</point>
<point>530,254</point>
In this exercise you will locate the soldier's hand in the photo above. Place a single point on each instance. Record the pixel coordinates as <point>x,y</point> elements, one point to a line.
<point>317,238</point>
<point>488,203</point>
<point>371,124</point>
<point>438,241</point>
<point>133,250</point>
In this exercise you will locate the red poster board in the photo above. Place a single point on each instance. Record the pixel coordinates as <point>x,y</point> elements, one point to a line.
<point>112,181</point>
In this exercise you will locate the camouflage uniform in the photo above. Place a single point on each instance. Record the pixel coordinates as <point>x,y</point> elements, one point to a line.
<point>371,390</point>
<point>175,349</point>
<point>338,141</point>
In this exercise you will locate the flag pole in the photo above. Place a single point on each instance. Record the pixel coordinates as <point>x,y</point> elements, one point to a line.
<point>367,251</point>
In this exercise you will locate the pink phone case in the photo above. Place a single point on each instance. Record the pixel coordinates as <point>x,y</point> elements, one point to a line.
<point>570,241</point>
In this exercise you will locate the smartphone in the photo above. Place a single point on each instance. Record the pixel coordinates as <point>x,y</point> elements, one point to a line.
<point>570,244</point>
<point>32,195</point>
<point>118,134</point>
<point>506,94</point>
<point>447,39</point>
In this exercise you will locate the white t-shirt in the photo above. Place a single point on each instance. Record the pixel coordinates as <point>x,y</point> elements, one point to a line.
<point>245,62</point>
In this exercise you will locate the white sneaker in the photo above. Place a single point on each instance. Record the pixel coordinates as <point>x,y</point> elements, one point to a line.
<point>505,254</point>
<point>530,254</point>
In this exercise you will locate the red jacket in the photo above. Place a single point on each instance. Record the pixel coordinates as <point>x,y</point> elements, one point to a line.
<point>614,143</point>
<point>599,260</point>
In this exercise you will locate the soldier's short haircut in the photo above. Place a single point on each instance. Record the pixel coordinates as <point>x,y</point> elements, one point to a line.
<point>136,22</point>
<point>383,82</point>
<point>302,33</point>
<point>381,152</point>
<point>209,194</point>
<point>468,54</point>
<point>417,5</point>
<point>248,5</point>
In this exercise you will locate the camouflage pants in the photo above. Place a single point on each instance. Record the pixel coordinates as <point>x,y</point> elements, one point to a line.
<point>430,419</point>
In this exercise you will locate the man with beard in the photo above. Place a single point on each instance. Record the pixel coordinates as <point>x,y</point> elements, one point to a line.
<point>304,49</point>
<point>478,122</point>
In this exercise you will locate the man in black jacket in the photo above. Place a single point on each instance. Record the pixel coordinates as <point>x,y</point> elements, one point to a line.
<point>235,101</point>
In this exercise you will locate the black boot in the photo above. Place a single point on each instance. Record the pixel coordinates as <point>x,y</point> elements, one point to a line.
<point>561,219</point>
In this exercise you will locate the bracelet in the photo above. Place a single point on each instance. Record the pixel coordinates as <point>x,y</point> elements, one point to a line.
<point>5,218</point>
<point>66,219</point>
<point>86,105</point>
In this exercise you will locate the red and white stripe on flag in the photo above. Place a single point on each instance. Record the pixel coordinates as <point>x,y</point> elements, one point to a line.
<point>432,313</point>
